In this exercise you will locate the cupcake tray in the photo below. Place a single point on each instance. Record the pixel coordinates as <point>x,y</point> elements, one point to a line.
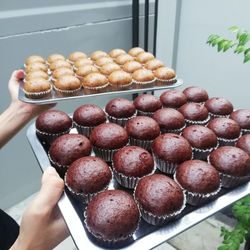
<point>54,97</point>
<point>147,236</point>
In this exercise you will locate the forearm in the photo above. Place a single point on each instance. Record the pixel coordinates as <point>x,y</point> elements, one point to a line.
<point>12,120</point>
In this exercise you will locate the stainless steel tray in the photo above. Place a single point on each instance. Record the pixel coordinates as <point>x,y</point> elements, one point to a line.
<point>147,236</point>
<point>56,98</point>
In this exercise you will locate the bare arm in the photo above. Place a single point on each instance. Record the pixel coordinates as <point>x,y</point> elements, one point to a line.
<point>18,114</point>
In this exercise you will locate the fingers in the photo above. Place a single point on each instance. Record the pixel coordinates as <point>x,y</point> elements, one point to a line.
<point>17,75</point>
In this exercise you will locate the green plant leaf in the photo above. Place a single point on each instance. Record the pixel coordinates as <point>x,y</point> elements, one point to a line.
<point>223,247</point>
<point>233,29</point>
<point>221,45</point>
<point>229,44</point>
<point>247,58</point>
<point>216,41</point>
<point>247,51</point>
<point>211,38</point>
<point>239,49</point>
<point>244,38</point>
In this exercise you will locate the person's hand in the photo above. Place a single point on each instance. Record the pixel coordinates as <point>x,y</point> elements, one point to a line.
<point>42,226</point>
<point>31,109</point>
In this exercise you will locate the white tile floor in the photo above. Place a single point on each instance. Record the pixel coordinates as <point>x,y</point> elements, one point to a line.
<point>204,236</point>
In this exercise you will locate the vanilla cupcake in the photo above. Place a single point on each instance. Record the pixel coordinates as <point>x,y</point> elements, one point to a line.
<point>135,51</point>
<point>122,59</point>
<point>154,64</point>
<point>67,85</point>
<point>120,79</point>
<point>33,59</point>
<point>37,88</point>
<point>103,60</point>
<point>143,57</point>
<point>98,54</point>
<point>35,67</point>
<point>143,78</point>
<point>131,66</point>
<point>57,73</point>
<point>82,62</point>
<point>85,70</point>
<point>73,57</point>
<point>36,74</point>
<point>54,57</point>
<point>116,52</point>
<point>165,76</point>
<point>59,64</point>
<point>108,68</point>
<point>95,83</point>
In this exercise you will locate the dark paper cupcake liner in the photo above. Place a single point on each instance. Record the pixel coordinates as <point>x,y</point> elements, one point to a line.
<point>196,199</point>
<point>204,122</point>
<point>141,143</point>
<point>105,154</point>
<point>61,169</point>
<point>174,131</point>
<point>202,154</point>
<point>245,131</point>
<point>217,116</point>
<point>142,113</point>
<point>120,121</point>
<point>84,130</point>
<point>165,166</point>
<point>227,142</point>
<point>229,181</point>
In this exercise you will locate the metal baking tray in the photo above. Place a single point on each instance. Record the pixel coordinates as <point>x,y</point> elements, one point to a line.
<point>147,236</point>
<point>56,98</point>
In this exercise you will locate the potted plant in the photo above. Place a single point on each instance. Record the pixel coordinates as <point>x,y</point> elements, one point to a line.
<point>232,239</point>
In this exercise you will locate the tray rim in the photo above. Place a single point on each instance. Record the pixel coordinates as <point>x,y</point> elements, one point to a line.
<point>23,98</point>
<point>149,241</point>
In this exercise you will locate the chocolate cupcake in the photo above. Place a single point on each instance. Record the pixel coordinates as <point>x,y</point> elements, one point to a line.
<point>120,79</point>
<point>233,164</point>
<point>159,198</point>
<point>170,150</point>
<point>34,58</point>
<point>95,83</point>
<point>130,164</point>
<point>112,216</point>
<point>154,64</point>
<point>202,139</point>
<point>116,52</point>
<point>219,107</point>
<point>173,99</point>
<point>147,104</point>
<point>199,180</point>
<point>131,66</point>
<point>108,68</point>
<point>242,117</point>
<point>227,130</point>
<point>142,130</point>
<point>194,113</point>
<point>135,51</point>
<point>107,138</point>
<point>122,59</point>
<point>169,120</point>
<point>143,78</point>
<point>86,177</point>
<point>65,149</point>
<point>98,54</point>
<point>196,94</point>
<point>144,57</point>
<point>52,124</point>
<point>244,143</point>
<point>103,60</point>
<point>164,76</point>
<point>82,62</point>
<point>120,110</point>
<point>67,85</point>
<point>37,88</point>
<point>87,117</point>
<point>59,64</point>
<point>74,56</point>
<point>55,57</point>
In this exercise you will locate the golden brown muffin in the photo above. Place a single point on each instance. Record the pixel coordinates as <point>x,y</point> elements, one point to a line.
<point>116,52</point>
<point>135,51</point>
<point>164,73</point>
<point>37,87</point>
<point>35,67</point>
<point>98,54</point>
<point>55,57</point>
<point>122,59</point>
<point>37,74</point>
<point>103,60</point>
<point>59,64</point>
<point>73,57</point>
<point>33,59</point>
<point>83,61</point>
<point>95,83</point>
<point>143,57</point>
<point>108,68</point>
<point>120,79</point>
<point>67,84</point>
<point>143,77</point>
<point>85,70</point>
<point>62,71</point>
<point>131,66</point>
<point>154,64</point>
